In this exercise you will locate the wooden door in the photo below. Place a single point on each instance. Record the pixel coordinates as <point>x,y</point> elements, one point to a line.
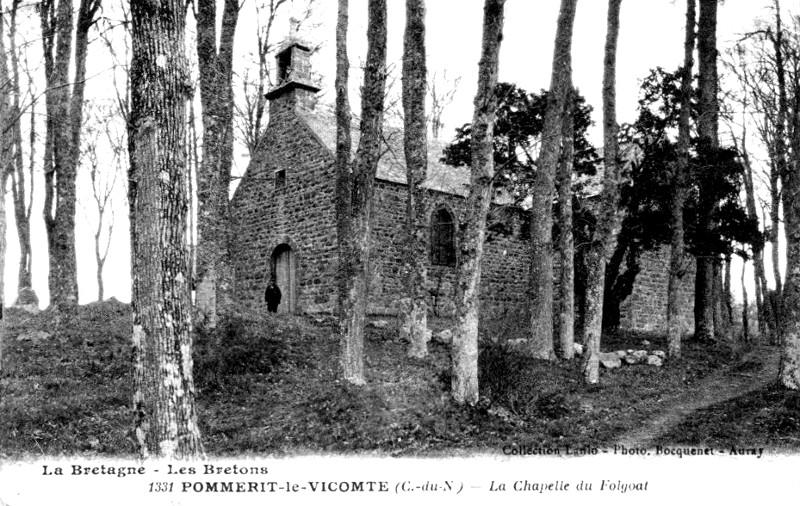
<point>285,278</point>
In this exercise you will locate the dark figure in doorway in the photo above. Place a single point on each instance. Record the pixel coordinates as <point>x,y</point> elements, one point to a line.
<point>272,296</point>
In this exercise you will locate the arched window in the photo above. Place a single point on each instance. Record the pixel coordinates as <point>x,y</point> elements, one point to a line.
<point>443,238</point>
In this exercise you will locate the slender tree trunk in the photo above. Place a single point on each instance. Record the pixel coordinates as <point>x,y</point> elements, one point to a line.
<point>6,168</point>
<point>765,325</point>
<point>21,195</point>
<point>541,339</point>
<point>721,323</point>
<point>465,339</point>
<point>214,284</point>
<point>99,260</point>
<point>364,168</point>
<point>726,292</point>
<point>745,307</point>
<point>3,248</point>
<point>416,153</point>
<point>164,397</point>
<point>775,220</point>
<point>194,164</point>
<point>566,245</point>
<point>3,243</point>
<point>343,183</point>
<point>608,222</point>
<point>707,126</point>
<point>679,189</point>
<point>781,163</point>
<point>6,164</point>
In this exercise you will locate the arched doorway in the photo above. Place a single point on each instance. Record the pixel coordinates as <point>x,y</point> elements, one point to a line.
<point>284,272</point>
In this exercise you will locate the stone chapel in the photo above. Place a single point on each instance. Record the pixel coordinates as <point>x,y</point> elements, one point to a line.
<point>284,220</point>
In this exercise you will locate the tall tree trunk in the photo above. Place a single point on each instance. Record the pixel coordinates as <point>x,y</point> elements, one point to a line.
<point>779,151</point>
<point>566,245</point>
<point>21,195</point>
<point>3,244</point>
<point>781,165</point>
<point>465,339</point>
<point>3,247</point>
<point>789,374</point>
<point>57,36</point>
<point>745,307</point>
<point>766,325</point>
<point>164,397</point>
<point>364,168</point>
<point>6,167</point>
<point>64,119</point>
<point>416,154</point>
<point>721,320</point>
<point>727,300</point>
<point>608,222</point>
<point>775,220</point>
<point>214,172</point>
<point>541,338</point>
<point>343,148</point>
<point>679,189</point>
<point>707,126</point>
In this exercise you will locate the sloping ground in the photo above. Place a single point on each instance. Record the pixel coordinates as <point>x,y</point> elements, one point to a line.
<point>759,414</point>
<point>69,392</point>
<point>671,421</point>
<point>272,388</point>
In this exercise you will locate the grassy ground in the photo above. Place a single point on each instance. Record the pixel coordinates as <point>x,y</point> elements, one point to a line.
<point>274,389</point>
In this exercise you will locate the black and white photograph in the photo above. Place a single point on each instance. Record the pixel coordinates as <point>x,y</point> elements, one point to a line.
<point>381,251</point>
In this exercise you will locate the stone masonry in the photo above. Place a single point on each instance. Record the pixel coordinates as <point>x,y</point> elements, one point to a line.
<point>646,307</point>
<point>284,223</point>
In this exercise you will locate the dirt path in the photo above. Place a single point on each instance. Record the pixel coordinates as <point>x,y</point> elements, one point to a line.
<point>720,386</point>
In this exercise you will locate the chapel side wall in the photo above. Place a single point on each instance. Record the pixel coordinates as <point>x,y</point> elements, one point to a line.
<point>504,267</point>
<point>646,307</point>
<point>300,214</point>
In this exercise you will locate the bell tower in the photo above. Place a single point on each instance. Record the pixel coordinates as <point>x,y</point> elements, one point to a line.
<point>294,86</point>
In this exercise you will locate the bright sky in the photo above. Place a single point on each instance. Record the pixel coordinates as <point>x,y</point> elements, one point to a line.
<point>651,34</point>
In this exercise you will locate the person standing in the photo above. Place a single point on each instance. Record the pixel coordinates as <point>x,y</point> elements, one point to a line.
<point>272,296</point>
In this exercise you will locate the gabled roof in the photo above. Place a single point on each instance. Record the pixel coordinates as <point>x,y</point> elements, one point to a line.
<point>391,166</point>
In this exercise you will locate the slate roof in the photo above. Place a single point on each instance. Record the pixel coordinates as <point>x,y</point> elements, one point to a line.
<point>391,166</point>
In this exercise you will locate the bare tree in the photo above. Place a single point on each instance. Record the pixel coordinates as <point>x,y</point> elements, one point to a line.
<point>608,222</point>
<point>441,91</point>
<point>251,114</point>
<point>541,338</point>
<point>765,104</point>
<point>680,171</point>
<point>416,154</point>
<point>164,396</point>
<point>465,339</point>
<point>116,39</point>
<point>355,260</point>
<point>22,176</point>
<point>64,118</point>
<point>766,317</point>
<point>103,175</point>
<point>6,162</point>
